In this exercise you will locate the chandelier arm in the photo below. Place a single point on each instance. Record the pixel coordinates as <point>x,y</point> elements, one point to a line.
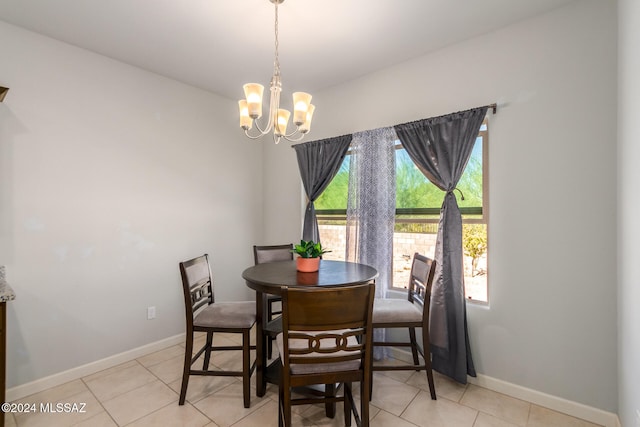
<point>262,131</point>
<point>296,131</point>
<point>299,138</point>
<point>248,135</point>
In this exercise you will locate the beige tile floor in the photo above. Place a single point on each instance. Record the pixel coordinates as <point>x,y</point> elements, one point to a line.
<point>144,393</point>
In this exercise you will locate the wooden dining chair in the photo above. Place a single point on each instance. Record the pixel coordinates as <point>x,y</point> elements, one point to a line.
<point>204,314</point>
<point>326,339</point>
<point>410,313</point>
<point>272,253</point>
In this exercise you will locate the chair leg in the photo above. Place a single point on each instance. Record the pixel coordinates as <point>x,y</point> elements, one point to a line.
<point>414,346</point>
<point>285,407</point>
<point>347,404</point>
<point>188,351</point>
<point>269,339</point>
<point>426,353</point>
<point>207,352</point>
<point>365,397</point>
<point>432,387</point>
<point>280,411</point>
<point>330,407</point>
<point>246,368</point>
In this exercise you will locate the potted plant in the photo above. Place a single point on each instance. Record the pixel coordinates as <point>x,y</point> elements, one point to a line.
<point>309,255</point>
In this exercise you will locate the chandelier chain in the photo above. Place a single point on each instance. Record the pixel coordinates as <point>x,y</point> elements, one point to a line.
<point>276,64</point>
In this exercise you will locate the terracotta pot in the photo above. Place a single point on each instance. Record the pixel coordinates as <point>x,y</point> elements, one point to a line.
<point>308,265</point>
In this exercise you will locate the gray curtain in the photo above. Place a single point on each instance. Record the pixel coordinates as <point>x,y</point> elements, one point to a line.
<point>371,208</point>
<point>440,147</point>
<point>319,161</point>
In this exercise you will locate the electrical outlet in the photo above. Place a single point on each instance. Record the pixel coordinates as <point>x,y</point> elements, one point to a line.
<point>151,312</point>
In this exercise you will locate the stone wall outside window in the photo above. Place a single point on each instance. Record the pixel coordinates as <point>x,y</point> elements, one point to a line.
<point>333,237</point>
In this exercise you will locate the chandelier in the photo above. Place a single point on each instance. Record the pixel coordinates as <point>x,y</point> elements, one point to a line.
<point>251,106</point>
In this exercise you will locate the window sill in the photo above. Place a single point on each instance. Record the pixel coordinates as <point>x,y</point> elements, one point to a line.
<point>400,293</point>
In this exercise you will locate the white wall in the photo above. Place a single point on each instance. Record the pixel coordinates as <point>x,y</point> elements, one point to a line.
<point>628,208</point>
<point>551,325</point>
<point>284,195</point>
<point>109,176</point>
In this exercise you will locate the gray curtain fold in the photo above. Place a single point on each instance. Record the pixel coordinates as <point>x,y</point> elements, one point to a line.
<point>371,209</point>
<point>319,161</point>
<point>440,147</point>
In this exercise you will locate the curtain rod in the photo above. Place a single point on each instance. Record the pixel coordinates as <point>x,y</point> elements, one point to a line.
<point>493,107</point>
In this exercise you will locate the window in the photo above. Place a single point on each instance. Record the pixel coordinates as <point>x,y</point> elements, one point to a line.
<point>418,204</point>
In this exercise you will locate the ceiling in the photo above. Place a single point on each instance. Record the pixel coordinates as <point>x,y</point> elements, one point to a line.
<point>218,45</point>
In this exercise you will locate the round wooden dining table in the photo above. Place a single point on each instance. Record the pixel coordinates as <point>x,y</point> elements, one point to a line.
<point>268,278</point>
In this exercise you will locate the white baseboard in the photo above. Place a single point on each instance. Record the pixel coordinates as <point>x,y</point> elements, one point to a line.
<point>45,383</point>
<point>575,409</point>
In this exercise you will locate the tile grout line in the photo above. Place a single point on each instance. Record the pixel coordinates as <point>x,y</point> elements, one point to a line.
<point>191,403</point>
<point>528,414</point>
<point>99,403</point>
<point>186,401</point>
<point>475,420</point>
<point>168,386</point>
<point>128,391</point>
<point>493,415</point>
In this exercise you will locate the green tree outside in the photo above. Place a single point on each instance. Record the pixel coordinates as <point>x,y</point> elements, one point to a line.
<point>413,189</point>
<point>474,244</point>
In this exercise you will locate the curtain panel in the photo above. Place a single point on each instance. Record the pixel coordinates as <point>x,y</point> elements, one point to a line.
<point>371,208</point>
<point>440,147</point>
<point>318,161</point>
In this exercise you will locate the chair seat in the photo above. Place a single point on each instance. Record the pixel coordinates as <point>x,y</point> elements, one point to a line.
<point>319,368</point>
<point>389,310</point>
<point>231,315</point>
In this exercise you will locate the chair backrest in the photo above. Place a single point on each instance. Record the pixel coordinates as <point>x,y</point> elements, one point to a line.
<point>420,282</point>
<point>273,253</point>
<point>318,322</point>
<point>197,285</point>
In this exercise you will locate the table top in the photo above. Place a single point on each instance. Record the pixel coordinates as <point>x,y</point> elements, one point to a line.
<point>269,277</point>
